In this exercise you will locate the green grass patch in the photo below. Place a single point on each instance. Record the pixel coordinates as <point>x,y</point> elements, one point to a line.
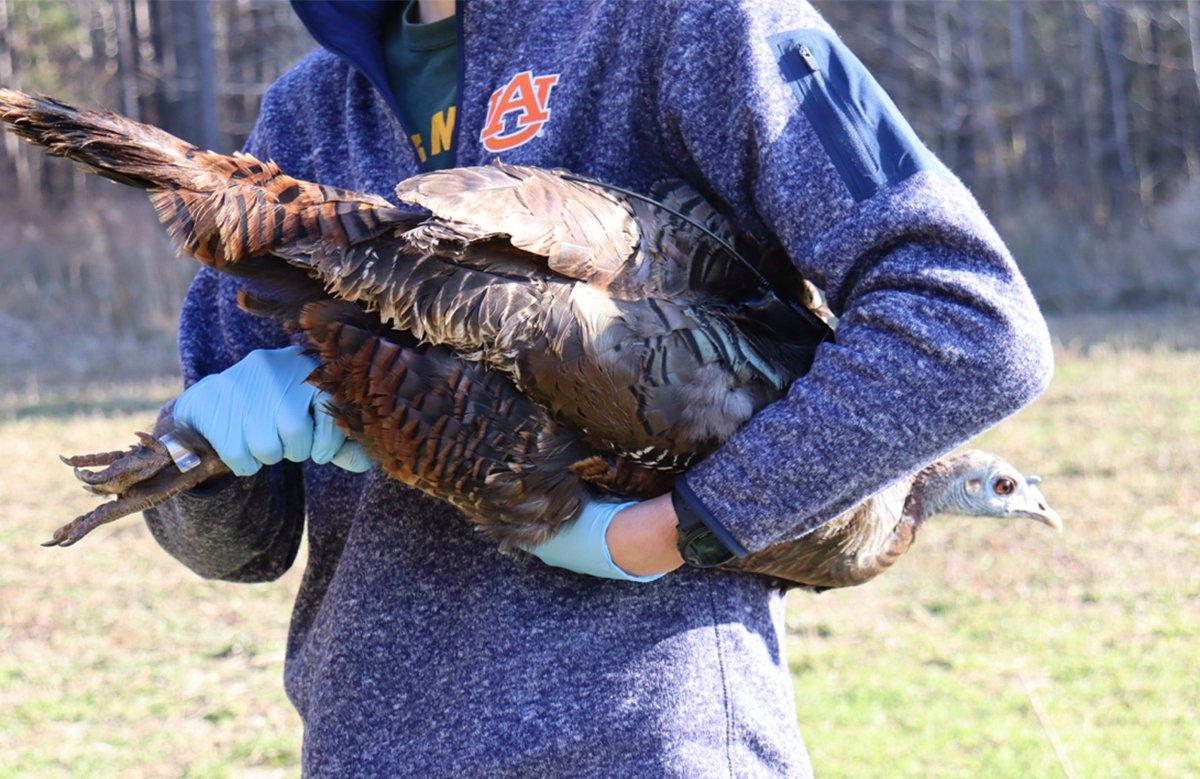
<point>933,669</point>
<point>116,661</point>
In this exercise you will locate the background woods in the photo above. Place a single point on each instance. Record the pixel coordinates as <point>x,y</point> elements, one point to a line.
<point>195,67</point>
<point>985,652</point>
<point>1077,123</point>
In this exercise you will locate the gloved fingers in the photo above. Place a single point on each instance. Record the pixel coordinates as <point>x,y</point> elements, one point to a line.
<point>299,365</point>
<point>327,436</point>
<point>294,423</point>
<point>578,541</point>
<point>352,457</point>
<point>257,411</point>
<point>262,438</point>
<point>581,544</point>
<point>280,365</point>
<point>238,458</point>
<point>191,403</point>
<point>201,407</point>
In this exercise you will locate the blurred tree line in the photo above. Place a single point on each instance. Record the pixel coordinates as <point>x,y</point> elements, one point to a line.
<point>1075,122</point>
<point>1072,120</point>
<point>194,67</point>
<point>198,68</point>
<point>1092,106</point>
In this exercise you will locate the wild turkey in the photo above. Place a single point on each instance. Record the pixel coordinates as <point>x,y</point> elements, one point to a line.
<point>534,338</point>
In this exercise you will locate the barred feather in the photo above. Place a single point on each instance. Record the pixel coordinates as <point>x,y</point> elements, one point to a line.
<point>219,209</point>
<point>456,430</point>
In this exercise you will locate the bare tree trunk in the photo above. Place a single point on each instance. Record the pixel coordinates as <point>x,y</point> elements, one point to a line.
<point>1111,18</point>
<point>163,59</point>
<point>206,73</point>
<point>1093,143</point>
<point>126,59</point>
<point>981,102</point>
<point>29,187</point>
<point>1025,142</point>
<point>947,120</point>
<point>6,72</point>
<point>192,96</point>
<point>1193,26</point>
<point>1156,133</point>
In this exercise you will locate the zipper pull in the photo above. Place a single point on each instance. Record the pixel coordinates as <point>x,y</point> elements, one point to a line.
<point>809,60</point>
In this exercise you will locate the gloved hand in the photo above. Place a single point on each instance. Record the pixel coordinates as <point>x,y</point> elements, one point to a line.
<point>261,411</point>
<point>581,545</point>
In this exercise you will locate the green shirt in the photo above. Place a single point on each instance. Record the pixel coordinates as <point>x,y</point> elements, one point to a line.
<point>422,65</point>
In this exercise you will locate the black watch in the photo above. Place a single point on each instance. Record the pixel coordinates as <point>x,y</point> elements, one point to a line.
<point>698,544</point>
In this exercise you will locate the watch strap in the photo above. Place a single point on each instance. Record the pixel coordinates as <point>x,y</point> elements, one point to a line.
<point>699,545</point>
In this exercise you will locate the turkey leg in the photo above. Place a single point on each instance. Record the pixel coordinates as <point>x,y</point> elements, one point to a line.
<point>140,477</point>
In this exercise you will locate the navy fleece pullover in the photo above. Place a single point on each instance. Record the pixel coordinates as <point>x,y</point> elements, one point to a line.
<point>415,647</point>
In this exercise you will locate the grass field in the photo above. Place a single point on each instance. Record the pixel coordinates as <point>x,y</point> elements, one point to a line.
<point>990,650</point>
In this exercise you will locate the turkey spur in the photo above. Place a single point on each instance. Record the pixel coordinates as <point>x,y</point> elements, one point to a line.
<point>525,341</point>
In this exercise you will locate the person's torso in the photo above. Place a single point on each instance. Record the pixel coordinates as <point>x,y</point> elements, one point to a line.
<point>416,647</point>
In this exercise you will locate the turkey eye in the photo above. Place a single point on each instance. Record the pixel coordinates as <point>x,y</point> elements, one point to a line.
<point>1004,486</point>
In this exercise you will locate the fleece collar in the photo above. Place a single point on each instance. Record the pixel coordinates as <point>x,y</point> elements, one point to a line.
<point>353,30</point>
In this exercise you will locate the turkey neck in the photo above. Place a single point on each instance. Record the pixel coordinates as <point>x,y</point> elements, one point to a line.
<point>936,489</point>
<point>932,492</point>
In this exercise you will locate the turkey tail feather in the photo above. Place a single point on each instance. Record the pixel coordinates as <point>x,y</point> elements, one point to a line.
<point>219,208</point>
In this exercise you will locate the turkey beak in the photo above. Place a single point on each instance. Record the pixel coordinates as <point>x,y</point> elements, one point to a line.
<point>1037,508</point>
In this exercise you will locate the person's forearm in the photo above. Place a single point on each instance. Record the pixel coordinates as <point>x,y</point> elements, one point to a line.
<point>642,538</point>
<point>938,342</point>
<point>239,529</point>
<point>247,530</point>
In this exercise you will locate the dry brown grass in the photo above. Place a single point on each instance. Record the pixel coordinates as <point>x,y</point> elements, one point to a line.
<point>114,659</point>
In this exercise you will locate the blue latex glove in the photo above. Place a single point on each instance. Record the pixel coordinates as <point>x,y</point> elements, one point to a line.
<point>581,546</point>
<point>261,411</point>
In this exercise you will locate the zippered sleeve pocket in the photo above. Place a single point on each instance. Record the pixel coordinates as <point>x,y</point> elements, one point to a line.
<point>871,145</point>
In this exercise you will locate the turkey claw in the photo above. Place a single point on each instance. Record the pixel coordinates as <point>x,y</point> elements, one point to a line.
<point>124,469</point>
<point>141,477</point>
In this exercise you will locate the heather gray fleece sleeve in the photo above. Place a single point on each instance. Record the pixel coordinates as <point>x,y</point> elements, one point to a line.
<point>939,336</point>
<point>242,530</point>
<point>247,529</point>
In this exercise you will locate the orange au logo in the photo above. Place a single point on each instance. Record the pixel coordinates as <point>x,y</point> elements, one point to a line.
<point>526,97</point>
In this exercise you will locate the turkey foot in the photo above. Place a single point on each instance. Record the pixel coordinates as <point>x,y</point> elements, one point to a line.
<point>125,468</point>
<point>140,477</point>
